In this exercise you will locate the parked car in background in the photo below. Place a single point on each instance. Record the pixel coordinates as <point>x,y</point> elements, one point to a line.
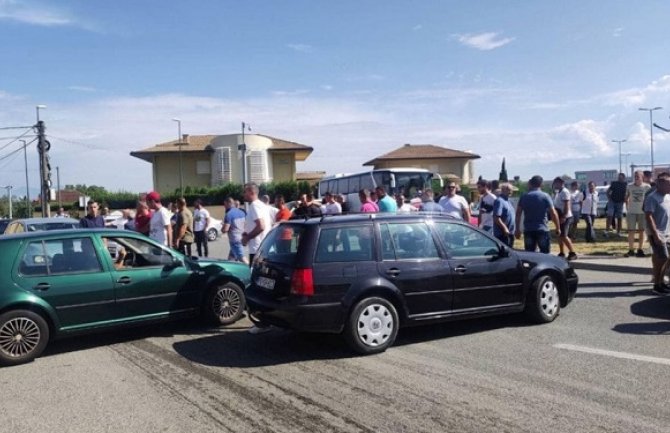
<point>365,276</point>
<point>40,224</point>
<point>59,283</point>
<point>214,228</point>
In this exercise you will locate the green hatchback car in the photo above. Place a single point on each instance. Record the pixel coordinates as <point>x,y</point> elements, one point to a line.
<point>59,283</point>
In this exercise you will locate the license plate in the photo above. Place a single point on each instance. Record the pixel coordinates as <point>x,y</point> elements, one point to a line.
<point>266,283</point>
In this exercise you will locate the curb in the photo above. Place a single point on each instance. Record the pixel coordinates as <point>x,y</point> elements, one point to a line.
<point>577,264</point>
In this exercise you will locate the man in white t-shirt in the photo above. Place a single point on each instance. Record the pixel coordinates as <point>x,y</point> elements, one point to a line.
<point>454,204</point>
<point>159,225</point>
<point>201,221</point>
<point>563,206</point>
<point>258,221</point>
<point>332,207</point>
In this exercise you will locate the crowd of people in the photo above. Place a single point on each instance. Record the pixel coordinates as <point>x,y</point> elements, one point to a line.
<point>647,205</point>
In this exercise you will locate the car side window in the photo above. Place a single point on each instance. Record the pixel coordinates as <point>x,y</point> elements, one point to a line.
<point>410,241</point>
<point>461,240</point>
<point>130,252</point>
<point>344,244</point>
<point>60,256</point>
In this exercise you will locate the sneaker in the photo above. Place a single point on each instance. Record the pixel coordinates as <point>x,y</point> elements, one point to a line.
<point>640,253</point>
<point>561,255</point>
<point>630,253</point>
<point>660,290</point>
<point>256,329</point>
<point>572,256</point>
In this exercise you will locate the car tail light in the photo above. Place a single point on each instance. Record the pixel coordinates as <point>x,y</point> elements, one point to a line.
<point>302,282</point>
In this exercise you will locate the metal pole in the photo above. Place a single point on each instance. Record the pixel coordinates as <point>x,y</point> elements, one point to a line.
<point>244,157</point>
<point>29,213</point>
<point>619,141</point>
<point>58,186</point>
<point>651,131</point>
<point>9,199</point>
<point>181,170</point>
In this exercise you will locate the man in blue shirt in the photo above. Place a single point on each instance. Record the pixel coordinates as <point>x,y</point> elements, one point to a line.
<point>504,221</point>
<point>385,203</point>
<point>233,224</point>
<point>428,202</point>
<point>92,219</point>
<point>535,206</point>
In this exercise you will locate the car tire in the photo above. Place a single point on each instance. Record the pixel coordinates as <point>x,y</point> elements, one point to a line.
<point>543,303</point>
<point>372,326</point>
<point>23,336</point>
<point>225,304</point>
<point>211,235</point>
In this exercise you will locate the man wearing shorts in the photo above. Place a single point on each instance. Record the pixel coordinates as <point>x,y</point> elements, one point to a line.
<point>233,225</point>
<point>657,214</point>
<point>563,206</point>
<point>535,205</point>
<point>635,220</point>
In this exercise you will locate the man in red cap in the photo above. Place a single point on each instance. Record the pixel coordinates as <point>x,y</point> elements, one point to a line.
<point>159,226</point>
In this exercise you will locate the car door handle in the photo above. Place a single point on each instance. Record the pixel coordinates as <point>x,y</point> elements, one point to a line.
<point>124,280</point>
<point>460,269</point>
<point>393,272</point>
<point>42,286</point>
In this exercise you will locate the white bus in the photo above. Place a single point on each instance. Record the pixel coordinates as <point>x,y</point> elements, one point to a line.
<point>408,181</point>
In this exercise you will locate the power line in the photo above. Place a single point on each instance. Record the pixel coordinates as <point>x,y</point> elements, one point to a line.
<point>2,158</point>
<point>17,138</point>
<point>88,146</point>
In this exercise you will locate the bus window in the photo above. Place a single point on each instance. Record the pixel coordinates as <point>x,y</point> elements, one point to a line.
<point>367,182</point>
<point>343,186</point>
<point>354,183</point>
<point>332,186</point>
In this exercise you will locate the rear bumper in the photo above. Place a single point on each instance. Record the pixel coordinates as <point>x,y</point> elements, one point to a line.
<point>296,313</point>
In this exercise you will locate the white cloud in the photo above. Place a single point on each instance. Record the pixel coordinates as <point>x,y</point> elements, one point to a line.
<point>39,14</point>
<point>588,134</point>
<point>417,27</point>
<point>658,90</point>
<point>301,48</point>
<point>617,32</point>
<point>482,41</point>
<point>86,89</point>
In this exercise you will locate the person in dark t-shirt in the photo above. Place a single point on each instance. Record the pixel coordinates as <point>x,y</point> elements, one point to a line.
<point>616,193</point>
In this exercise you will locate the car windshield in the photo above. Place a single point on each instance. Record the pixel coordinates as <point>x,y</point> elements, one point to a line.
<point>37,227</point>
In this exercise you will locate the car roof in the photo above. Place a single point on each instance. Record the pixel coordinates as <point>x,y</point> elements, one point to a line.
<point>363,217</point>
<point>43,220</point>
<point>65,232</point>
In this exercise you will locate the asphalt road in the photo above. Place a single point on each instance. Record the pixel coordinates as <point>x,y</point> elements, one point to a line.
<point>602,366</point>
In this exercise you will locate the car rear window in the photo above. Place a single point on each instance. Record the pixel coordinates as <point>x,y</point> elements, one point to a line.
<point>282,243</point>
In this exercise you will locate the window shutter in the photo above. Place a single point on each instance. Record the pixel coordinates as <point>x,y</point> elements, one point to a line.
<point>223,172</point>
<point>257,164</point>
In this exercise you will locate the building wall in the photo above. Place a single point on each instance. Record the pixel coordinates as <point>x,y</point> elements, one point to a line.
<point>283,166</point>
<point>203,169</point>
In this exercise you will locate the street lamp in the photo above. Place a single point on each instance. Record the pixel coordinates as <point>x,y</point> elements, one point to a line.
<point>651,131</point>
<point>9,195</point>
<point>37,109</point>
<point>619,141</point>
<point>627,155</point>
<point>25,160</point>
<point>181,173</point>
<point>243,148</point>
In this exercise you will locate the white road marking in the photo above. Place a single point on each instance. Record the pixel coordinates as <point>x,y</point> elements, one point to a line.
<point>622,355</point>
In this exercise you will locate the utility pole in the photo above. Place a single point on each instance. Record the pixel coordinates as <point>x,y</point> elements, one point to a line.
<point>43,147</point>
<point>29,213</point>
<point>243,148</point>
<point>58,186</point>
<point>619,141</point>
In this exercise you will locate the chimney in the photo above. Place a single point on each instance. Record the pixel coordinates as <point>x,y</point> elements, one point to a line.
<point>184,139</point>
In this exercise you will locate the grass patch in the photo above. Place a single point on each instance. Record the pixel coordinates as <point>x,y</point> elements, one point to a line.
<point>612,245</point>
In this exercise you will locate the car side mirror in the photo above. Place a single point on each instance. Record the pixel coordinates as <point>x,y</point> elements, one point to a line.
<point>503,251</point>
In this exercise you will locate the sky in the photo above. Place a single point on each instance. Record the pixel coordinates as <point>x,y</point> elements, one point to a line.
<point>546,85</point>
